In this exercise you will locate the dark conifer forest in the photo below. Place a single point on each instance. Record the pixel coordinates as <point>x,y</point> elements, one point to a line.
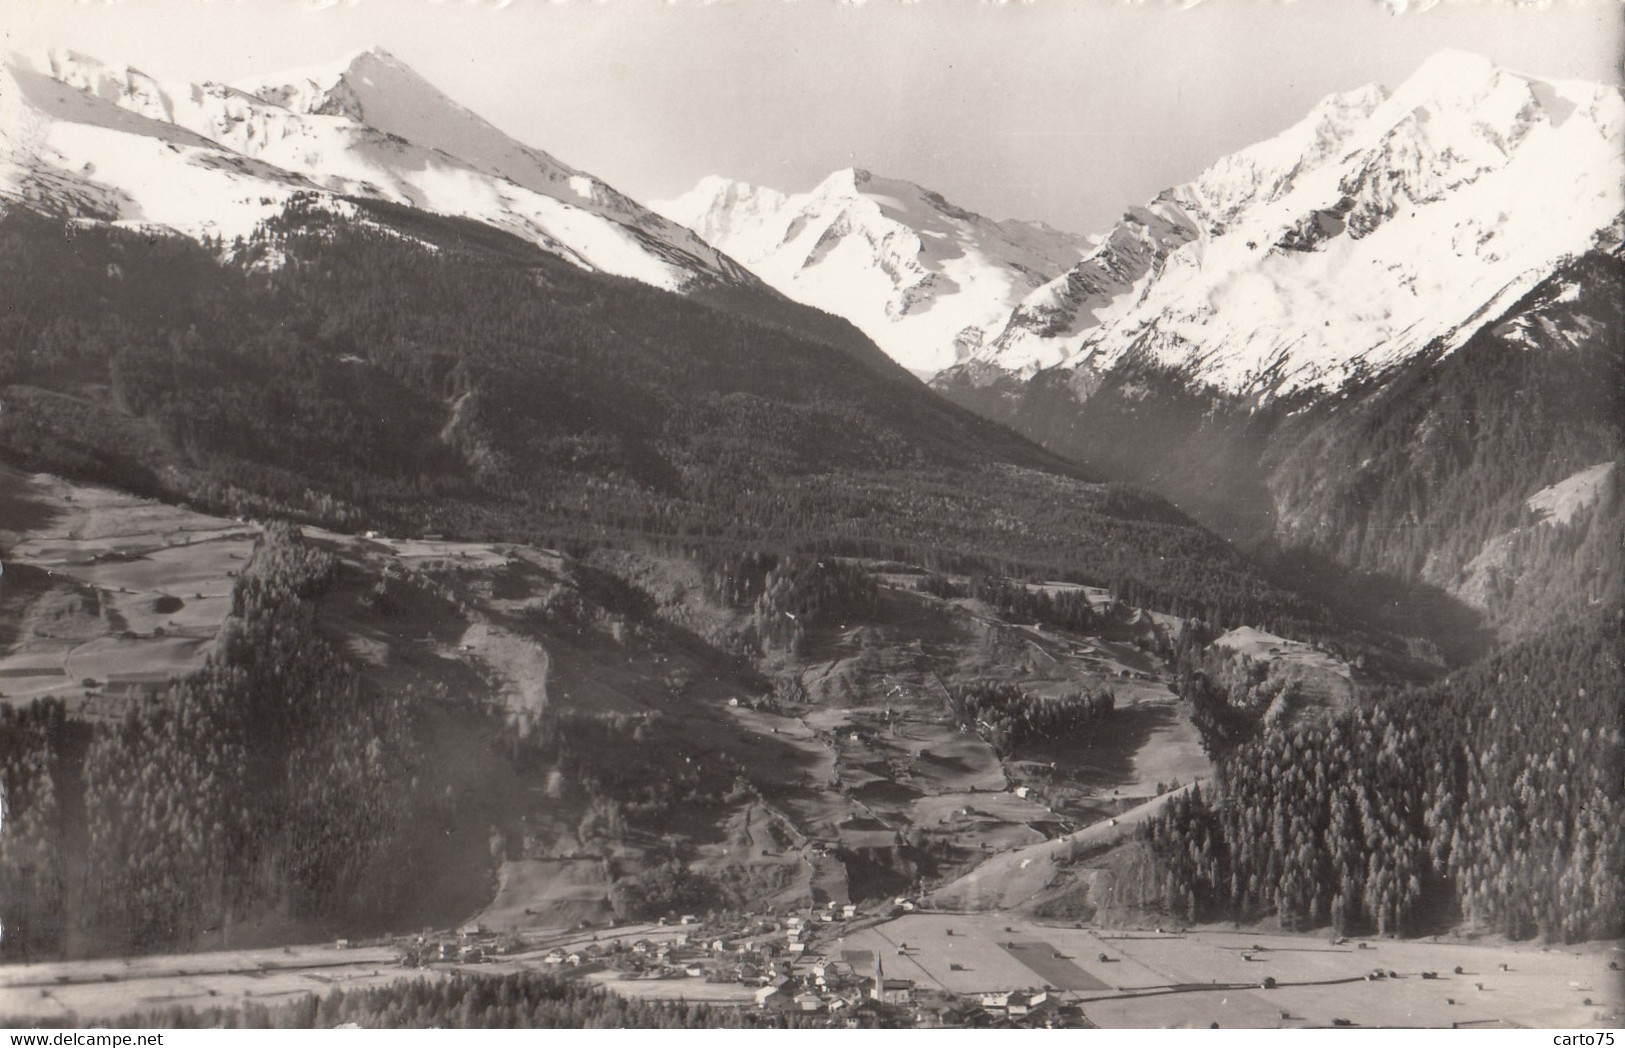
<point>476,387</point>
<point>388,370</point>
<point>270,780</point>
<point>1492,798</point>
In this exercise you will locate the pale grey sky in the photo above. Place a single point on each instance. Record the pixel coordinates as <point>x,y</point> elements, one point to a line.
<point>1061,110</point>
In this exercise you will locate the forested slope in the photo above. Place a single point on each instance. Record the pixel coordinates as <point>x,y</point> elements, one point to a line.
<point>1492,798</point>
<point>271,781</point>
<point>337,372</point>
<point>1416,475</point>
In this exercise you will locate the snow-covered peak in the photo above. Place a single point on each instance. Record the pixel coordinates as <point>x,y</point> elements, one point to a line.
<point>124,86</point>
<point>378,90</point>
<point>381,92</point>
<point>302,90</point>
<point>370,127</point>
<point>848,182</point>
<point>927,280</point>
<point>1380,224</point>
<point>1263,172</point>
<point>1448,74</point>
<point>721,209</point>
<point>307,88</point>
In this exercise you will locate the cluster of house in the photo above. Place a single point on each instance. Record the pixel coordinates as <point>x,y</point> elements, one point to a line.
<point>773,955</point>
<point>1021,1008</point>
<point>751,952</point>
<point>833,986</point>
<point>839,991</point>
<point>764,952</point>
<point>827,986</point>
<point>835,990</point>
<point>471,944</point>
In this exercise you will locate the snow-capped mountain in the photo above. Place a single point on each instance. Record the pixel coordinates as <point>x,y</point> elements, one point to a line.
<point>1378,225</point>
<point>111,142</point>
<point>927,281</point>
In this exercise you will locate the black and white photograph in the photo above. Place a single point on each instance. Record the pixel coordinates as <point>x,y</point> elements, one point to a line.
<point>836,515</point>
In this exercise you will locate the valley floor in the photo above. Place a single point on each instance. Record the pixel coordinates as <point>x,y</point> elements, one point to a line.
<point>1153,979</point>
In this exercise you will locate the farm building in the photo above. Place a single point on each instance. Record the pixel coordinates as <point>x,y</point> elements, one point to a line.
<point>1016,1003</point>
<point>773,993</point>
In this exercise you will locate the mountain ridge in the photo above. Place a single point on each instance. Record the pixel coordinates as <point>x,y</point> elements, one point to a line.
<point>1379,224</point>
<point>216,159</point>
<point>924,278</point>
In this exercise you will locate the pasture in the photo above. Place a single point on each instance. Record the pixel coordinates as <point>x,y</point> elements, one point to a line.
<point>547,893</point>
<point>1195,977</point>
<point>106,594</point>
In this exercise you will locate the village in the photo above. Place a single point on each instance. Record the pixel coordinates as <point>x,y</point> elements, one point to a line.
<point>914,965</point>
<point>784,963</point>
<point>910,965</point>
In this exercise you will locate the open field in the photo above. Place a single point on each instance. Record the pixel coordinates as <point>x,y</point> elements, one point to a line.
<point>1014,878</point>
<point>1205,975</point>
<point>106,594</point>
<point>83,991</point>
<point>1186,978</point>
<point>70,992</point>
<point>695,990</point>
<point>1053,967</point>
<point>547,893</point>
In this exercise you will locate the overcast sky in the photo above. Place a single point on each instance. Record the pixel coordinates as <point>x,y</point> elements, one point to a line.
<point>1062,110</point>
